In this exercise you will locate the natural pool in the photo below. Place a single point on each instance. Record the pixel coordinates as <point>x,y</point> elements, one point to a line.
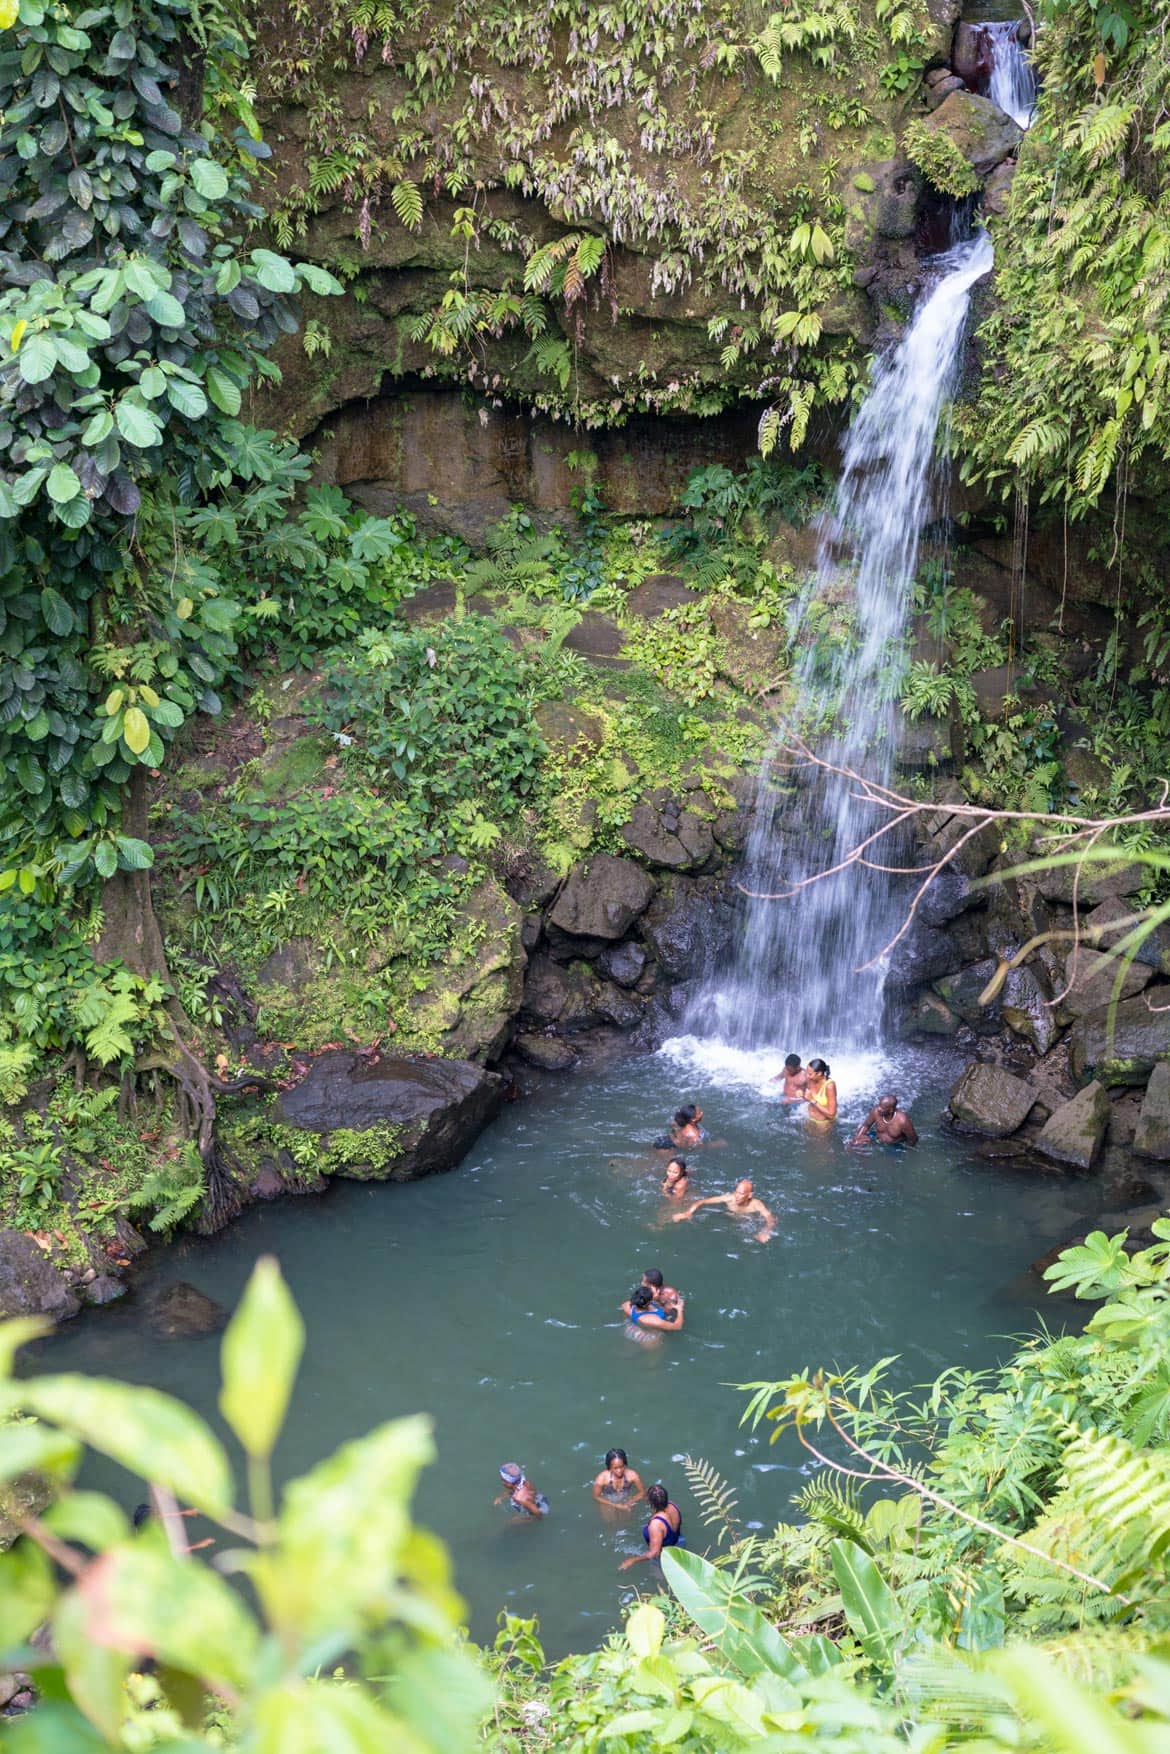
<point>489,1296</point>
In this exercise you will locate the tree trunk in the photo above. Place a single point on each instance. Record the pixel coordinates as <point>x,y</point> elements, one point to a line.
<point>131,932</point>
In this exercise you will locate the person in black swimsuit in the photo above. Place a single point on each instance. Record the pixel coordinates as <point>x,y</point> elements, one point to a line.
<point>664,1528</point>
<point>618,1485</point>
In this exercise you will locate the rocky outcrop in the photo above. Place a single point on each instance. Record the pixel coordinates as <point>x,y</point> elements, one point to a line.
<point>600,902</point>
<point>29,1283</point>
<point>1122,1044</point>
<point>1074,1132</point>
<point>1152,1134</point>
<point>990,1101</point>
<point>979,129</point>
<point>392,1119</point>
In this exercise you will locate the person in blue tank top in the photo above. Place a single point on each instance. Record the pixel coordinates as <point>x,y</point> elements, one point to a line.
<point>664,1528</point>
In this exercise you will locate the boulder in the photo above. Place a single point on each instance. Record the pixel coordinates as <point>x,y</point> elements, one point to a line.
<point>687,927</point>
<point>623,963</point>
<point>667,834</point>
<point>421,1114</point>
<point>961,992</point>
<point>1122,1044</point>
<point>1027,1009</point>
<point>950,895</point>
<point>942,89</point>
<point>1073,1133</point>
<point>1153,951</point>
<point>599,640</point>
<point>1092,980</point>
<point>29,1282</point>
<point>569,729</point>
<point>573,998</point>
<point>929,1015</point>
<point>1096,882</point>
<point>104,1288</point>
<point>1152,1134</point>
<point>989,1100</point>
<point>980,129</point>
<point>601,899</point>
<point>658,592</point>
<point>470,1008</point>
<point>546,1052</point>
<point>182,1312</point>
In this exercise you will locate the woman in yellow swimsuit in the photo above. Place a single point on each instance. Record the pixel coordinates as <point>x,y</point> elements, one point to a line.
<point>820,1094</point>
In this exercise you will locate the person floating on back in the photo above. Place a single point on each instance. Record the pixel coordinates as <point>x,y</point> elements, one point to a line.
<point>795,1079</point>
<point>742,1203</point>
<point>520,1493</point>
<point>887,1123</point>
<point>663,1530</point>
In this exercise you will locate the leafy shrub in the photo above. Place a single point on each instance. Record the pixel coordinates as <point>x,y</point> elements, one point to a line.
<point>939,160</point>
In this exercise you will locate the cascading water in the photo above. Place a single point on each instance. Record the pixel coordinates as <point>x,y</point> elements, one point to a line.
<point>793,983</point>
<point>1012,83</point>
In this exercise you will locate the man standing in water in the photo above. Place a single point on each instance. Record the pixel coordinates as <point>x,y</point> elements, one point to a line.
<point>887,1123</point>
<point>742,1203</point>
<point>795,1079</point>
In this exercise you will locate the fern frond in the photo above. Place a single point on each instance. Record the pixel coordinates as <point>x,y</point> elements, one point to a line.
<point>717,1498</point>
<point>835,1506</point>
<point>407,203</point>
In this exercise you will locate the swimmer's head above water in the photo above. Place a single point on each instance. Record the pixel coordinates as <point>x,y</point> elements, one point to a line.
<point>512,1474</point>
<point>792,1063</point>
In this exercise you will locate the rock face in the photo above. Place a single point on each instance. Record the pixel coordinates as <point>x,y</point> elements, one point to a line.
<point>601,900</point>
<point>183,1312</point>
<point>29,1282</point>
<point>982,132</point>
<point>418,1115</point>
<point>1152,1135</point>
<point>677,839</point>
<point>991,1101</point>
<point>686,928</point>
<point>1091,979</point>
<point>961,992</point>
<point>545,1052</point>
<point>1121,1046</point>
<point>1073,1133</point>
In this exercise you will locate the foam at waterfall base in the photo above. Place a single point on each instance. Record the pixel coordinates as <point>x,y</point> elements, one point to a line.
<point>858,1072</point>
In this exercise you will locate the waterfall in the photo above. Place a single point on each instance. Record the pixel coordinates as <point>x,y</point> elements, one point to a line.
<point>1012,83</point>
<point>793,983</point>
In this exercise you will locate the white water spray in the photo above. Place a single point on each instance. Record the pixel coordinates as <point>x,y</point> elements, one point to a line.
<point>794,984</point>
<point>1012,84</point>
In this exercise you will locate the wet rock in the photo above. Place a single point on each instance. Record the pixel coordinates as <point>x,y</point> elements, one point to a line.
<point>1125,1111</point>
<point>997,190</point>
<point>1092,978</point>
<point>926,745</point>
<point>943,832</point>
<point>961,992</point>
<point>1027,1010</point>
<point>658,592</point>
<point>1152,1135</point>
<point>268,1183</point>
<point>104,1288</point>
<point>1074,1132</point>
<point>1093,882</point>
<point>971,53</point>
<point>573,999</point>
<point>422,1114</point>
<point>532,881</point>
<point>665,835</point>
<point>929,1015</point>
<point>1153,951</point>
<point>989,1100</point>
<point>1003,1150</point>
<point>472,1006</point>
<point>182,1312</point>
<point>731,829</point>
<point>599,639</point>
<point>982,132</point>
<point>546,1052</point>
<point>623,963</point>
<point>547,990</point>
<point>950,895</point>
<point>687,927</point>
<point>1121,1045</point>
<point>602,899</point>
<point>29,1282</point>
<point>939,93</point>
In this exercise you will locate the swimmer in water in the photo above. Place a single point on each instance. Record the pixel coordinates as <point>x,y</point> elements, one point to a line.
<point>666,1295</point>
<point>820,1094</point>
<point>645,1312</point>
<point>742,1202</point>
<point>520,1493</point>
<point>887,1123</point>
<point>676,1181</point>
<point>795,1079</point>
<point>664,1528</point>
<point>687,1129</point>
<point>617,1485</point>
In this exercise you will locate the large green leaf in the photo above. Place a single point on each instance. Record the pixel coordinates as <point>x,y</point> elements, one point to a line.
<point>746,1641</point>
<point>224,391</point>
<point>137,424</point>
<point>869,1603</point>
<point>209,178</point>
<point>261,1351</point>
<point>56,611</point>
<point>37,358</point>
<point>53,1729</point>
<point>62,484</point>
<point>27,1591</point>
<point>310,1717</point>
<point>149,1432</point>
<point>95,1671</point>
<point>138,1598</point>
<point>28,1447</point>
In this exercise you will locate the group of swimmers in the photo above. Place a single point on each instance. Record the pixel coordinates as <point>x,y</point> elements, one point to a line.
<point>654,1307</point>
<point>617,1487</point>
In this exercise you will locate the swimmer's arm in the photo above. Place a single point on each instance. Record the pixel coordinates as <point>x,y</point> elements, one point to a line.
<point>769,1217</point>
<point>830,1108</point>
<point>909,1131</point>
<point>863,1130</point>
<point>711,1200</point>
<point>653,1551</point>
<point>597,1491</point>
<point>627,1308</point>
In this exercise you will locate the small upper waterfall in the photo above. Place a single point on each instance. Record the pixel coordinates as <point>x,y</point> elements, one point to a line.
<point>1012,83</point>
<point>794,983</point>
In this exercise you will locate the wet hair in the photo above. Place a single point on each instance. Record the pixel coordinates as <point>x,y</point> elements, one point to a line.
<point>141,1513</point>
<point>682,1164</point>
<point>685,1116</point>
<point>616,1455</point>
<point>821,1066</point>
<point>642,1298</point>
<point>653,1276</point>
<point>657,1497</point>
<point>792,1063</point>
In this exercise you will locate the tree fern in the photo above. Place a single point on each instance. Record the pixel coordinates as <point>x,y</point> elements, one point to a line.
<point>716,1497</point>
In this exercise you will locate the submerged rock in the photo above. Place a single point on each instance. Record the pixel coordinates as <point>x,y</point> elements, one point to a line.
<point>104,1288</point>
<point>1073,1133</point>
<point>991,1101</point>
<point>182,1312</point>
<point>29,1282</point>
<point>1152,1135</point>
<point>392,1118</point>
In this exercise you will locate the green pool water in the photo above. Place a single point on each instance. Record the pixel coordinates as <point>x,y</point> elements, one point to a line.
<point>489,1298</point>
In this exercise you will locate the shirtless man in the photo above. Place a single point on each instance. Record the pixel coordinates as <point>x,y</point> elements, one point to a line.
<point>666,1295</point>
<point>520,1493</point>
<point>741,1202</point>
<point>795,1079</point>
<point>889,1124</point>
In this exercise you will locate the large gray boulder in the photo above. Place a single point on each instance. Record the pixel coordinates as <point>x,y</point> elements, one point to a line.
<point>980,129</point>
<point>687,927</point>
<point>961,992</point>
<point>1122,1044</point>
<point>990,1101</point>
<point>29,1282</point>
<point>1091,978</point>
<point>394,1118</point>
<point>1073,1133</point>
<point>573,998</point>
<point>601,899</point>
<point>666,833</point>
<point>1027,1010</point>
<point>1095,881</point>
<point>1152,1134</point>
